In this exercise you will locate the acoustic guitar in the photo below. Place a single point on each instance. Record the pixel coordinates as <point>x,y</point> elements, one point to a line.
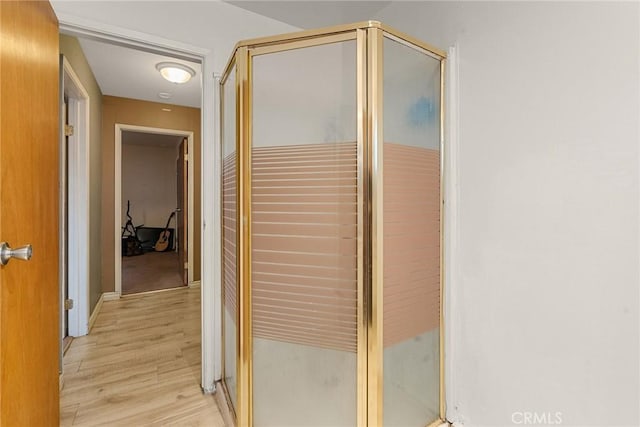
<point>163,240</point>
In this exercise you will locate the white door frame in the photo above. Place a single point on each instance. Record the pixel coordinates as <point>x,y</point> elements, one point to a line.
<point>78,205</point>
<point>211,167</point>
<point>118,196</point>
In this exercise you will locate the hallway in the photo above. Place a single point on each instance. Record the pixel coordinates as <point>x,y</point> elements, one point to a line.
<point>139,366</point>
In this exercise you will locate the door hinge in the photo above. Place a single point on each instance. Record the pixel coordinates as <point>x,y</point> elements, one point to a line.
<point>68,130</point>
<point>186,157</point>
<point>186,265</point>
<point>68,304</point>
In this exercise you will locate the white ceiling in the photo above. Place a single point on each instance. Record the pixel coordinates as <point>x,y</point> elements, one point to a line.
<point>131,73</point>
<point>314,14</point>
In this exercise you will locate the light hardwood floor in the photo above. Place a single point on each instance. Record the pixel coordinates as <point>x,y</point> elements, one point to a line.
<point>139,366</point>
<point>150,272</point>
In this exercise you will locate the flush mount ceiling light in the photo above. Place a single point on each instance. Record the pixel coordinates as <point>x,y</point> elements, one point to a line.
<point>174,72</point>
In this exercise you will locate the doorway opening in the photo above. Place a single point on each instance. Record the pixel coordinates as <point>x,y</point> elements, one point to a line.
<point>205,136</point>
<point>153,209</point>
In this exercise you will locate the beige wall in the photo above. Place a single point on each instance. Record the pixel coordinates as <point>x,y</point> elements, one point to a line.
<point>142,113</point>
<point>71,49</point>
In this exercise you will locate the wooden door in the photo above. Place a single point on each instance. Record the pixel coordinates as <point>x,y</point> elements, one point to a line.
<point>183,205</point>
<point>29,173</point>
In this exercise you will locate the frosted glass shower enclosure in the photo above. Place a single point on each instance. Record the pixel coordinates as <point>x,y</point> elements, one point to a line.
<point>331,229</point>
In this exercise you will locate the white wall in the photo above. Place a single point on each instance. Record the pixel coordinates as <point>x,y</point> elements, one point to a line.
<point>149,180</point>
<point>545,284</point>
<point>212,25</point>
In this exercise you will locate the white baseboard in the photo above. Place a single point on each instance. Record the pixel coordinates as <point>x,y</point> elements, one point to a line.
<point>195,284</point>
<point>110,296</point>
<point>106,296</point>
<point>96,310</point>
<point>209,390</point>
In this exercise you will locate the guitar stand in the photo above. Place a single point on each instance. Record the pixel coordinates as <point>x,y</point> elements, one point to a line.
<point>131,245</point>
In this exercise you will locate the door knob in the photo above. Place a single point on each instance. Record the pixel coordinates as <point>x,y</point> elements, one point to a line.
<point>6,253</point>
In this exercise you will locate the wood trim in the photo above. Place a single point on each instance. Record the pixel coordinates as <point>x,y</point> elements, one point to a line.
<point>96,311</point>
<point>110,296</point>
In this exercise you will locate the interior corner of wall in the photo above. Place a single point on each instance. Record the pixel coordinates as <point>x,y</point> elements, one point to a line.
<point>454,418</point>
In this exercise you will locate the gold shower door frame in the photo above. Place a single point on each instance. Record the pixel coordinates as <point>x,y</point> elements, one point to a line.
<point>369,36</point>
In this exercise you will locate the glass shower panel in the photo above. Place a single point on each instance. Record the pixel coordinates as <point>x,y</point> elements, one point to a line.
<point>229,179</point>
<point>411,260</point>
<point>304,236</point>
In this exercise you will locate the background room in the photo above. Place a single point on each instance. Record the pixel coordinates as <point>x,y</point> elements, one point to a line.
<point>153,190</point>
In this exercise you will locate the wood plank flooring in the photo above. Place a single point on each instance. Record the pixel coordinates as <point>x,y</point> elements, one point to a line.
<point>150,272</point>
<point>139,366</point>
